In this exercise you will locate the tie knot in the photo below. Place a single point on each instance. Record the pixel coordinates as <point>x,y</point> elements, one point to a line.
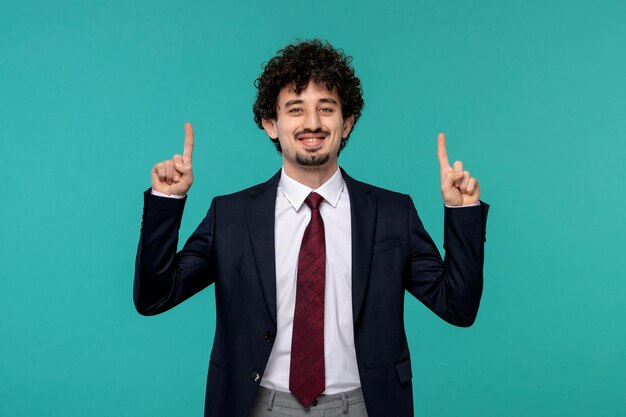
<point>314,200</point>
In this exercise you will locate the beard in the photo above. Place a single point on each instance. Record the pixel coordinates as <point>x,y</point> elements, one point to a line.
<point>312,160</point>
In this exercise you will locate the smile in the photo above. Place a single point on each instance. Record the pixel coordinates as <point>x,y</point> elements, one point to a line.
<point>311,142</point>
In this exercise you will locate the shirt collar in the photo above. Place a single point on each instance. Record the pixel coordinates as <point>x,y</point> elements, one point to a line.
<point>296,192</point>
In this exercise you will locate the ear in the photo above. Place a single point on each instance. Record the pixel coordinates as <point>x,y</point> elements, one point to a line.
<point>348,122</point>
<point>270,128</point>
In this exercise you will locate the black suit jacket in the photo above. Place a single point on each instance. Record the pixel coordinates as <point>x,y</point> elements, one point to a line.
<point>233,248</point>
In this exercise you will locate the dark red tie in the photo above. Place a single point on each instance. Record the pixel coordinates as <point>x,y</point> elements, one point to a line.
<point>307,375</point>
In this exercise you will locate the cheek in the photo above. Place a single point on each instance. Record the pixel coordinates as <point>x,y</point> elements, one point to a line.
<point>286,129</point>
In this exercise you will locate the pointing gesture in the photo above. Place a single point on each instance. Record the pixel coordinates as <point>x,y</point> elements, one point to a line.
<point>458,188</point>
<point>175,176</point>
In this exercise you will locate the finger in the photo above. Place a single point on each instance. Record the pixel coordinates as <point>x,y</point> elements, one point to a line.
<point>155,175</point>
<point>465,181</point>
<point>160,171</point>
<point>457,167</point>
<point>472,186</point>
<point>447,179</point>
<point>442,152</point>
<point>169,171</point>
<point>188,149</point>
<point>179,167</point>
<point>179,164</point>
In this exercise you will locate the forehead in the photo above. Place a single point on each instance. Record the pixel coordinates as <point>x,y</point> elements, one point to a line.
<point>313,91</point>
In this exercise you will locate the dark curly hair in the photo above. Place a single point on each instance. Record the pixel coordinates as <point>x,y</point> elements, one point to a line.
<point>300,63</point>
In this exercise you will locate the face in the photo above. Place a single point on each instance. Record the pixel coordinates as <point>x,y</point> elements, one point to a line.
<point>309,127</point>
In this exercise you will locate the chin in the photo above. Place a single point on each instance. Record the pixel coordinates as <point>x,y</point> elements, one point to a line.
<point>316,160</point>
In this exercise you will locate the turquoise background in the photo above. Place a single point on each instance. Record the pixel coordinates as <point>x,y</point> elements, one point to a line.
<point>531,94</point>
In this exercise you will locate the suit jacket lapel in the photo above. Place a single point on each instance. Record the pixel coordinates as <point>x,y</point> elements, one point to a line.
<point>260,216</point>
<point>363,208</point>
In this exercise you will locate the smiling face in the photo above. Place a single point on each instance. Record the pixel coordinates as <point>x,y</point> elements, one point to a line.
<point>309,127</point>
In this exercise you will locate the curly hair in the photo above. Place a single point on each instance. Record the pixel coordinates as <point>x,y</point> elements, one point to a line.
<point>297,65</point>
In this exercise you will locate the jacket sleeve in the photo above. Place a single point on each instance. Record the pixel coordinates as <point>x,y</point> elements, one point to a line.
<point>451,288</point>
<point>164,278</point>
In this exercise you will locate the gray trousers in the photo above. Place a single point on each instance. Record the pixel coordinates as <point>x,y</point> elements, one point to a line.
<point>272,403</point>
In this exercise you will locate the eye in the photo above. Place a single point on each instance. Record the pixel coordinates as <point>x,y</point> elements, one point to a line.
<point>326,110</point>
<point>295,110</point>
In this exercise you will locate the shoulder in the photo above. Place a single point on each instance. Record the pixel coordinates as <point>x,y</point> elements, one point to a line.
<point>252,192</point>
<point>381,194</point>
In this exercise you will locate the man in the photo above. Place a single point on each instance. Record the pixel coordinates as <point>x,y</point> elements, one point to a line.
<point>310,268</point>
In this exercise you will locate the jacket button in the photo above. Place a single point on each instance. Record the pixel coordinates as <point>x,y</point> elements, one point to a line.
<point>314,403</point>
<point>255,376</point>
<point>269,338</point>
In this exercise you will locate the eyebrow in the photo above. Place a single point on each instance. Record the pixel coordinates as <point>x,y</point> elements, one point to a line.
<point>293,102</point>
<point>299,101</point>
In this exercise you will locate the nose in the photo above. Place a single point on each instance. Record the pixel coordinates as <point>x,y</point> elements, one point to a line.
<point>312,120</point>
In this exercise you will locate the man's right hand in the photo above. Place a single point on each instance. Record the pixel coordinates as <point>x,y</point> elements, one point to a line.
<point>175,176</point>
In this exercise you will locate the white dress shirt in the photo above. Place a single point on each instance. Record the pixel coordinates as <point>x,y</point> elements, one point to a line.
<point>292,218</point>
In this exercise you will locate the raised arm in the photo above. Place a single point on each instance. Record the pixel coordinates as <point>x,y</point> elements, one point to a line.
<point>452,288</point>
<point>163,277</point>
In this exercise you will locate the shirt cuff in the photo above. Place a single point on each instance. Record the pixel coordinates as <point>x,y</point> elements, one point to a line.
<point>159,194</point>
<point>467,205</point>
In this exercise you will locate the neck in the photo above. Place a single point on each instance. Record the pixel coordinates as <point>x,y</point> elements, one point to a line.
<point>312,177</point>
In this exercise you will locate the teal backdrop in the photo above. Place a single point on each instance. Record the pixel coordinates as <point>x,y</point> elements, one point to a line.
<point>531,95</point>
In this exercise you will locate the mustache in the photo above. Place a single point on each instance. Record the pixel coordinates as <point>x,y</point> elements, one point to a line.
<point>310,131</point>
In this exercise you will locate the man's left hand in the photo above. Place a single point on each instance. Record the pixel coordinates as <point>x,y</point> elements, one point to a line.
<point>458,188</point>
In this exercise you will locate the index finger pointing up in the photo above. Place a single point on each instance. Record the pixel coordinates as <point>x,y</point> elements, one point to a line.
<point>188,149</point>
<point>442,152</point>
